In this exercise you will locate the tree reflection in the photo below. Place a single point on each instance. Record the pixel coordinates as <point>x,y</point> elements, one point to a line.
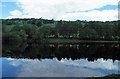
<point>91,52</point>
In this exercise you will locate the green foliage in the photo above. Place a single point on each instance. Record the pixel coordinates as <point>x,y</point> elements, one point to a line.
<point>87,33</point>
<point>42,29</point>
<point>38,23</point>
<point>11,37</point>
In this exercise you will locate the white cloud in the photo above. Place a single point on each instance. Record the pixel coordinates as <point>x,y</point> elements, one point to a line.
<point>106,15</point>
<point>60,9</point>
<point>16,13</point>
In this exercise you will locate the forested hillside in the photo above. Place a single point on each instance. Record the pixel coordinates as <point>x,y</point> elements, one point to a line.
<point>40,30</point>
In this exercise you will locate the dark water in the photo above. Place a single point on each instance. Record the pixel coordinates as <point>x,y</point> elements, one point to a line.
<point>60,60</point>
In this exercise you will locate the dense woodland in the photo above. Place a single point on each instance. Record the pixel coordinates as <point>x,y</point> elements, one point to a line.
<point>41,30</point>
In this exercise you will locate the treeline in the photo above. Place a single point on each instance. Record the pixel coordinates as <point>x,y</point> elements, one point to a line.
<point>39,30</point>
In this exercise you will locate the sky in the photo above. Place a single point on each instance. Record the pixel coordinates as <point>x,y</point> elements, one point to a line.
<point>91,10</point>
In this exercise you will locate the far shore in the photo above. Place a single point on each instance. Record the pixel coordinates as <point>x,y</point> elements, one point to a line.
<point>55,40</point>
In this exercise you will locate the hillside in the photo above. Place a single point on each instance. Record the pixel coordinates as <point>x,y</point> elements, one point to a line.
<point>39,30</point>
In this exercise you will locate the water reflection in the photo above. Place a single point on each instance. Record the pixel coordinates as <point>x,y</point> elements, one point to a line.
<point>91,52</point>
<point>0,68</point>
<point>55,68</point>
<point>60,60</point>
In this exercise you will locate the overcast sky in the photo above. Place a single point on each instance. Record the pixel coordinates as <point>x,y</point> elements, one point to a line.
<point>98,10</point>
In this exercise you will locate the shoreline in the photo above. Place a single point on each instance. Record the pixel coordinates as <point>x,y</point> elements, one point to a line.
<point>78,41</point>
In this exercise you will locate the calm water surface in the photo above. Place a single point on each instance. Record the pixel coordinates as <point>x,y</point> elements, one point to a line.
<point>58,60</point>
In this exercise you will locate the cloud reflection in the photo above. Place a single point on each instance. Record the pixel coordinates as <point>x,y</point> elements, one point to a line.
<point>0,68</point>
<point>63,68</point>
